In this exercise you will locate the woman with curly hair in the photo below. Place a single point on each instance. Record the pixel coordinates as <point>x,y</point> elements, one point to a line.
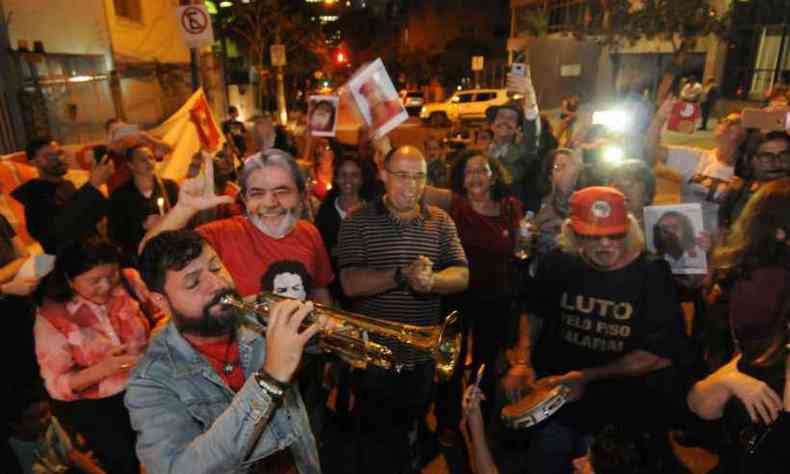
<point>487,217</point>
<point>753,267</point>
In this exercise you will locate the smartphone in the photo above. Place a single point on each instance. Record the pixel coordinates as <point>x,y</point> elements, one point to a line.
<point>768,120</point>
<point>519,69</point>
<point>99,152</point>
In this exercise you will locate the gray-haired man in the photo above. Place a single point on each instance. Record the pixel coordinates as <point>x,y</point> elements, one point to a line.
<point>270,231</point>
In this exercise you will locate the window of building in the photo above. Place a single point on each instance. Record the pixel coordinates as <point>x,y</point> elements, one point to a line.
<point>128,9</point>
<point>760,49</point>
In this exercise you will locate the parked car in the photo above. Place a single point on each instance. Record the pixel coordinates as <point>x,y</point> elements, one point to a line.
<point>463,105</point>
<point>413,99</point>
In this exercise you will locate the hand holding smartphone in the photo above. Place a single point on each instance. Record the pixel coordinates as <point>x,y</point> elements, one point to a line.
<point>519,69</point>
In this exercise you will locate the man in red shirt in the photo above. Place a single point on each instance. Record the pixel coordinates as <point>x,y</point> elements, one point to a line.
<point>270,231</point>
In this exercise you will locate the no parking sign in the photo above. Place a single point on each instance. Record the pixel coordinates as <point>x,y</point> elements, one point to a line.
<point>195,24</point>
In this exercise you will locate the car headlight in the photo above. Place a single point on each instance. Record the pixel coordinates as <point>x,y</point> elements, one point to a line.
<point>423,111</point>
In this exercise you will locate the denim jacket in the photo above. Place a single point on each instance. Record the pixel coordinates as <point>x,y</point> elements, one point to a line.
<point>188,420</point>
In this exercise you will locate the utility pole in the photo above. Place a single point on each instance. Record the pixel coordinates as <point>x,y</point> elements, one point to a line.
<point>194,58</point>
<point>282,112</point>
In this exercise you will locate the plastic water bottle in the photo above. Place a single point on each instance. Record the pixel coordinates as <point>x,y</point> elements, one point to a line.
<point>525,230</point>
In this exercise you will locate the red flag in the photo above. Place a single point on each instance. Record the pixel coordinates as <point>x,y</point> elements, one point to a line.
<point>207,129</point>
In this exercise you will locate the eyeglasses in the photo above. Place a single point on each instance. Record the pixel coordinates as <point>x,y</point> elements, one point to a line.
<point>405,177</point>
<point>767,156</point>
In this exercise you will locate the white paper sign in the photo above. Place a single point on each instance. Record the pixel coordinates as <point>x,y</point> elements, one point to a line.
<point>195,24</point>
<point>674,232</point>
<point>376,98</point>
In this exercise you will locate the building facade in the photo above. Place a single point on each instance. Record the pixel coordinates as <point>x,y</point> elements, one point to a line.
<point>73,65</point>
<point>553,33</point>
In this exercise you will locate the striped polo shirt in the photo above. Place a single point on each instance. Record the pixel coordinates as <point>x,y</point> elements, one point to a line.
<point>374,238</point>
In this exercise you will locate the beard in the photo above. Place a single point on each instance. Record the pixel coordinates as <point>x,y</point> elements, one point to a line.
<point>290,217</point>
<point>210,325</point>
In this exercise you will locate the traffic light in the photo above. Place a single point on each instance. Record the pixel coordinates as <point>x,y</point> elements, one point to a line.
<point>340,57</point>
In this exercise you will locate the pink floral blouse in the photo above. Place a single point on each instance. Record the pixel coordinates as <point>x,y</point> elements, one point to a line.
<point>77,334</point>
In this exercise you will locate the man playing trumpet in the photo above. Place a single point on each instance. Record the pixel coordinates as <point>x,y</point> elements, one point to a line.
<point>210,395</point>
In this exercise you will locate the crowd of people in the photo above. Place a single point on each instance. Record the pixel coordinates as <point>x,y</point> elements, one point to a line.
<point>131,351</point>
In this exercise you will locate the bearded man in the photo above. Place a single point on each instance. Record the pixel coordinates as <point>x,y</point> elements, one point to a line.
<point>272,189</point>
<point>211,394</point>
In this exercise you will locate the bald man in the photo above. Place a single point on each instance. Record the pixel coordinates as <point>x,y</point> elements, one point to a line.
<point>396,258</point>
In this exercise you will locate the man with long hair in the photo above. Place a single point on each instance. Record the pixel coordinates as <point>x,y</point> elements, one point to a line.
<point>604,321</point>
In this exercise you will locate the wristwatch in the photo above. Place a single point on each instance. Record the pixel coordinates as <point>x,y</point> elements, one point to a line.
<point>400,279</point>
<point>274,388</point>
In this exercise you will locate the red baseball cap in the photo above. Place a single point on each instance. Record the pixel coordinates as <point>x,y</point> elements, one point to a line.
<point>598,210</point>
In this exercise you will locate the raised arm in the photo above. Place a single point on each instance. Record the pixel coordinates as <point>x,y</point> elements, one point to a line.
<point>196,194</point>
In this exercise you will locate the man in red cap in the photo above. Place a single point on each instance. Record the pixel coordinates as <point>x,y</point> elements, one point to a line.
<point>601,316</point>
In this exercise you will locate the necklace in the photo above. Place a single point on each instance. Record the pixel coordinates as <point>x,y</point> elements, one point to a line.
<point>227,369</point>
<point>228,366</point>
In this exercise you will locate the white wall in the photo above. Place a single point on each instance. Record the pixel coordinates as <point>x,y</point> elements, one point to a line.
<point>157,36</point>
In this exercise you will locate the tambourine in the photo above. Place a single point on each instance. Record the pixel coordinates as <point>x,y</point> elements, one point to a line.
<point>535,407</point>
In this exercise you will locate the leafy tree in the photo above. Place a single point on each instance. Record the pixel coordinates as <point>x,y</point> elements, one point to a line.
<point>682,23</point>
<point>257,25</point>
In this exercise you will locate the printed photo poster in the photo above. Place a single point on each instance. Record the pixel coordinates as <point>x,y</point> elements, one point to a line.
<point>683,117</point>
<point>322,115</point>
<point>674,232</point>
<point>376,98</point>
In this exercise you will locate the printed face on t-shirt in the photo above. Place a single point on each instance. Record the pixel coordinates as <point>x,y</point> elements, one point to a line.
<point>290,285</point>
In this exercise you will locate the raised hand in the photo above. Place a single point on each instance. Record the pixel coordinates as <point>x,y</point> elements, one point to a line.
<point>19,286</point>
<point>197,193</point>
<point>102,172</point>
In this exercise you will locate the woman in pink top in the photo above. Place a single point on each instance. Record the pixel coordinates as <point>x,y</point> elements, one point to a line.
<point>89,334</point>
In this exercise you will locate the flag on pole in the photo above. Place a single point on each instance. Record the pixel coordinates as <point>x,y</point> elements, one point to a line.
<point>191,129</point>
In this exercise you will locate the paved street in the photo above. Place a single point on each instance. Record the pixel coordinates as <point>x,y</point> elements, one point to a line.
<point>413,132</point>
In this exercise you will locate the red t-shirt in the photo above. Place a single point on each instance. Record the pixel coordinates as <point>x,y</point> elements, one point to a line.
<point>248,254</point>
<point>489,243</point>
<point>218,354</point>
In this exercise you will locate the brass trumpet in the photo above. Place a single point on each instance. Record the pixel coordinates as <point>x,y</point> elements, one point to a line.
<point>348,334</point>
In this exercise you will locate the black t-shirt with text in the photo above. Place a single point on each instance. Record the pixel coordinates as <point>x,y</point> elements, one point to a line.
<point>593,317</point>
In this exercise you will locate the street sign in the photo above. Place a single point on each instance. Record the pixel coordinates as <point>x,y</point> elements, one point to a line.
<point>477,63</point>
<point>278,54</point>
<point>195,24</point>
